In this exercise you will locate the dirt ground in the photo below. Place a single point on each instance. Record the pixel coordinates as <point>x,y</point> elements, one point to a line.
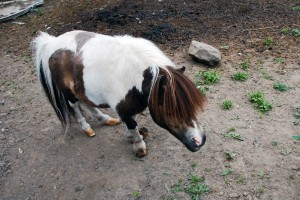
<point>39,161</point>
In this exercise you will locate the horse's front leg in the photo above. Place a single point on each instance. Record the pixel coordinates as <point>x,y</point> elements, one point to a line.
<point>133,135</point>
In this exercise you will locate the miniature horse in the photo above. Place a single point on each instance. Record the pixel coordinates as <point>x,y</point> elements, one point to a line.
<point>124,73</point>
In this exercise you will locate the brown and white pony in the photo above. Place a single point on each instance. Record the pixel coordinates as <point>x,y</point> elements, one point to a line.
<point>124,73</point>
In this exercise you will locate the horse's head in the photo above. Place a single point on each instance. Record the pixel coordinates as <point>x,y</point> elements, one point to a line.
<point>174,104</point>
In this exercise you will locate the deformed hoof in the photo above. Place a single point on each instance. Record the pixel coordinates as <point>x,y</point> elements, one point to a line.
<point>89,132</point>
<point>141,152</point>
<point>143,132</point>
<point>113,121</point>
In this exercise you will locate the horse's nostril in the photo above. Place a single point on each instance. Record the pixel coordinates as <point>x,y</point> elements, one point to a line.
<point>197,140</point>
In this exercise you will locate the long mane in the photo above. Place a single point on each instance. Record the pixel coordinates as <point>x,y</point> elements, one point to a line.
<point>174,97</point>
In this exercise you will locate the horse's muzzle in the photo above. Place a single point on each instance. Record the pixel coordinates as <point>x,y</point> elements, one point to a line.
<point>194,142</point>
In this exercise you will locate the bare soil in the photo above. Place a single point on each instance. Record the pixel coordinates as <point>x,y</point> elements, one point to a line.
<point>39,161</point>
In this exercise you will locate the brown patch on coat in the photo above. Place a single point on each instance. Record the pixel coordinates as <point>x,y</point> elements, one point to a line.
<point>67,74</point>
<point>82,37</point>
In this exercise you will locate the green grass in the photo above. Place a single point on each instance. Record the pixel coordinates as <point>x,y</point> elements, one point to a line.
<point>280,86</point>
<point>194,186</point>
<point>286,152</point>
<point>296,137</point>
<point>284,31</point>
<point>203,89</point>
<point>259,101</point>
<point>267,76</point>
<point>295,32</point>
<point>211,77</point>
<point>245,65</point>
<point>274,143</point>
<point>227,105</point>
<point>279,60</point>
<point>240,76</point>
<point>136,194</point>
<point>241,179</point>
<point>229,155</point>
<point>268,41</point>
<point>226,172</point>
<point>296,8</point>
<point>231,134</point>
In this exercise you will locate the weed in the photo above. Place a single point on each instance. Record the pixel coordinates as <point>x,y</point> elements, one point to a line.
<point>231,134</point>
<point>195,187</point>
<point>194,165</point>
<point>296,8</point>
<point>245,65</point>
<point>136,194</point>
<point>241,179</point>
<point>211,77</point>
<point>285,152</point>
<point>178,187</point>
<point>268,41</point>
<point>39,12</point>
<point>274,143</point>
<point>226,172</point>
<point>261,174</point>
<point>260,190</point>
<point>259,101</point>
<point>295,32</point>
<point>204,90</point>
<point>227,105</point>
<point>226,47</point>
<point>284,31</point>
<point>229,155</point>
<point>296,137</point>
<point>297,115</point>
<point>279,60</point>
<point>240,76</point>
<point>232,129</point>
<point>267,76</point>
<point>280,86</point>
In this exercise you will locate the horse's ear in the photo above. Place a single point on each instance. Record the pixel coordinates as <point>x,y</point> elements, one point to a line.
<point>182,69</point>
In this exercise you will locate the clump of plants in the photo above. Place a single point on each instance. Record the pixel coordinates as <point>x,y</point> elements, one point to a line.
<point>296,8</point>
<point>259,101</point>
<point>194,186</point>
<point>295,32</point>
<point>211,77</point>
<point>280,86</point>
<point>233,135</point>
<point>240,76</point>
<point>227,105</point>
<point>245,65</point>
<point>268,41</point>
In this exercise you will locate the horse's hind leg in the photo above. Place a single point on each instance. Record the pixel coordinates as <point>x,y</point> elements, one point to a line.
<point>105,119</point>
<point>81,120</point>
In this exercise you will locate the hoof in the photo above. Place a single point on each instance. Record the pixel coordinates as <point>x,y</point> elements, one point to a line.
<point>141,152</point>
<point>140,149</point>
<point>113,121</point>
<point>89,132</point>
<point>143,132</point>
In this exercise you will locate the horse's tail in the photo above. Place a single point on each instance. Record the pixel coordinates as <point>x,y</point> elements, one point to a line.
<point>54,95</point>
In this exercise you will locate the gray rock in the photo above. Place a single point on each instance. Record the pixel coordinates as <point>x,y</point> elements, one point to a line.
<point>205,53</point>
